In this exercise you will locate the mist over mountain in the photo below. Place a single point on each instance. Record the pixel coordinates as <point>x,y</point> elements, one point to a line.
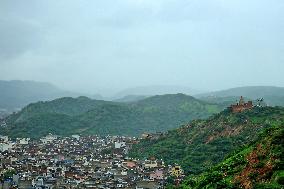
<point>157,90</point>
<point>248,91</point>
<point>17,94</point>
<point>130,98</point>
<point>272,95</point>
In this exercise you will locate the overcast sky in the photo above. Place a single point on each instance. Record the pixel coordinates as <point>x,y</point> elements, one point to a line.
<point>95,45</point>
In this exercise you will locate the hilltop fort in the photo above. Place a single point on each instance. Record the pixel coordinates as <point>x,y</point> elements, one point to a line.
<point>241,106</point>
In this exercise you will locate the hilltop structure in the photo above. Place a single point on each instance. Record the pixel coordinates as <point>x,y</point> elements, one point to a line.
<point>241,106</point>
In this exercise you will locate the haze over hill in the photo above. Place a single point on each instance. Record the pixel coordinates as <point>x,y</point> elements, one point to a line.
<point>130,98</point>
<point>253,92</point>
<point>106,46</point>
<point>272,95</point>
<point>16,94</point>
<point>157,90</point>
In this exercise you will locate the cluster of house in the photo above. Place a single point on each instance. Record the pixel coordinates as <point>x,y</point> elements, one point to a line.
<point>78,162</point>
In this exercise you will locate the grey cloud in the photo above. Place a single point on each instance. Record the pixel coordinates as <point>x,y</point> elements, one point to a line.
<point>87,45</point>
<point>17,37</point>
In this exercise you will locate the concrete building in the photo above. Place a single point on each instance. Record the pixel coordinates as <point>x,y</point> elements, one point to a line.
<point>6,146</point>
<point>118,145</point>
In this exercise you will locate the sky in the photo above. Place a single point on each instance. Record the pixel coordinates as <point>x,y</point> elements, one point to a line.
<point>103,46</point>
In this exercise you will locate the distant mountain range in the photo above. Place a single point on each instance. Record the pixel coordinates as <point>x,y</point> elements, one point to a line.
<point>273,96</point>
<point>249,91</point>
<point>156,90</point>
<point>16,94</point>
<point>130,98</point>
<point>66,116</point>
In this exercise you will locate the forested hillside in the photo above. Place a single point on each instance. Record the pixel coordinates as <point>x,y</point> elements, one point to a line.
<point>81,115</point>
<point>200,144</point>
<point>256,165</point>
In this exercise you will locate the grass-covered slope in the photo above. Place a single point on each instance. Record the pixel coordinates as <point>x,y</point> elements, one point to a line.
<point>177,102</point>
<point>203,143</point>
<point>81,115</point>
<point>257,165</point>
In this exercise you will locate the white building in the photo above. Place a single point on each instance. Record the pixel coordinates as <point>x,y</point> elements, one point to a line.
<point>119,145</point>
<point>48,139</point>
<point>6,146</point>
<point>77,137</point>
<point>150,164</point>
<point>24,141</point>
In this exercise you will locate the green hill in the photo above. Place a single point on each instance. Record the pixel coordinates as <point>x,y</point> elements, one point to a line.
<point>199,145</point>
<point>66,105</point>
<point>81,115</point>
<point>257,165</point>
